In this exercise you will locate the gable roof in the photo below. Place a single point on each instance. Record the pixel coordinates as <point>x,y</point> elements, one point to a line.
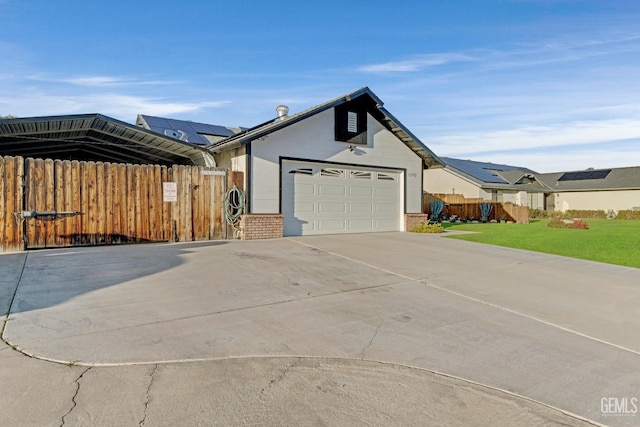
<point>380,113</point>
<point>493,175</point>
<point>94,137</point>
<point>627,178</point>
<point>186,130</point>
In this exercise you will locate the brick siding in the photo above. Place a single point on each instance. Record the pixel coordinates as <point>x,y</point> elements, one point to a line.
<point>411,220</point>
<point>261,226</point>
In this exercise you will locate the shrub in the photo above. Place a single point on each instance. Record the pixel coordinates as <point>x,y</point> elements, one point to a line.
<point>628,214</point>
<point>567,223</point>
<point>571,213</point>
<point>424,227</point>
<point>575,213</point>
<point>541,214</point>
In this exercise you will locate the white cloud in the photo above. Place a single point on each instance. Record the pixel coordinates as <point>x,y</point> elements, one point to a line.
<point>416,63</point>
<point>567,161</point>
<point>94,81</point>
<point>98,81</point>
<point>123,107</point>
<point>557,135</point>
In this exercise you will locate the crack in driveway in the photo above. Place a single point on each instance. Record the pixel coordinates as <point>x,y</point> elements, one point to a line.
<point>375,334</point>
<point>73,399</point>
<point>148,398</point>
<point>282,374</point>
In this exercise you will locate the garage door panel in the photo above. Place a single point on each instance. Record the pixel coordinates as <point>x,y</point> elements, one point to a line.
<point>386,192</point>
<point>339,199</point>
<point>308,207</point>
<point>361,225</point>
<point>331,189</point>
<point>359,190</point>
<point>332,225</point>
<point>387,208</point>
<point>387,224</point>
<point>305,188</point>
<point>361,208</point>
<point>327,207</point>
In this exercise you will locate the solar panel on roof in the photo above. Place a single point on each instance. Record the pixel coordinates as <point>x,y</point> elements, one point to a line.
<point>185,130</point>
<point>583,175</point>
<point>477,169</point>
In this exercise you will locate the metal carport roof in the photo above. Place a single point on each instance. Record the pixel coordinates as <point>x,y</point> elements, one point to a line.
<point>94,137</point>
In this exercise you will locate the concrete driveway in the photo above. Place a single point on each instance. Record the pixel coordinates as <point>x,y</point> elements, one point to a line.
<point>371,329</point>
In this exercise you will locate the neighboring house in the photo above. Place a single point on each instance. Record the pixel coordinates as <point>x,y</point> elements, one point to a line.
<point>593,189</point>
<point>344,166</point>
<point>488,181</point>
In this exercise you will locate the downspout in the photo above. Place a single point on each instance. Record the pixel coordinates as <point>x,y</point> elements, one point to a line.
<point>249,176</point>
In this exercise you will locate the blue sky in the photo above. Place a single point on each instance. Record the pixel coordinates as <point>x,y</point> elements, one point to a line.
<point>547,84</point>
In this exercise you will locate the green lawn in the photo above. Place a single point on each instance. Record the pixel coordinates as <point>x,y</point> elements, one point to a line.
<point>610,241</point>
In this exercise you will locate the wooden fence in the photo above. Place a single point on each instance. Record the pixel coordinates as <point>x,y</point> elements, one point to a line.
<point>465,208</point>
<point>115,203</point>
<point>11,201</point>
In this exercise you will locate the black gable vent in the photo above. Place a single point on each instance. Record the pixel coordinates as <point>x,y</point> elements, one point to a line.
<point>351,122</point>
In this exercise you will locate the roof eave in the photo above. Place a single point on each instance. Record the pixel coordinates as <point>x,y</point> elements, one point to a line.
<point>391,123</point>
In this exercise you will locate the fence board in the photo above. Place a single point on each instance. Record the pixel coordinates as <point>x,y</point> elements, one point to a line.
<point>100,211</point>
<point>183,230</point>
<point>122,230</point>
<point>67,230</point>
<point>131,195</point>
<point>157,222</point>
<point>197,203</point>
<point>13,201</point>
<point>49,205</point>
<point>76,201</point>
<point>207,208</point>
<point>143,203</point>
<point>58,203</point>
<point>4,211</point>
<point>92,203</point>
<point>109,185</point>
<point>167,218</point>
<point>32,175</point>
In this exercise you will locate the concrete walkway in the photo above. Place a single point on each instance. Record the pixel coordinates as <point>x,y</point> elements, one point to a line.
<point>377,329</point>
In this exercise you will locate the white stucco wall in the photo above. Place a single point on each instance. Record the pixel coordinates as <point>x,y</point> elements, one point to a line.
<point>598,200</point>
<point>442,181</point>
<point>313,139</point>
<point>536,200</point>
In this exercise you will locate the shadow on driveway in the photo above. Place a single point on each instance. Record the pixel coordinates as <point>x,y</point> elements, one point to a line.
<point>41,279</point>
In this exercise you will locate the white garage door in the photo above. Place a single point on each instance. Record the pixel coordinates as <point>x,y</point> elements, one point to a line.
<point>327,199</point>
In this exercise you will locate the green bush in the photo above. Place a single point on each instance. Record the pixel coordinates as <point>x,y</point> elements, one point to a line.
<point>628,214</point>
<point>541,214</point>
<point>571,213</point>
<point>594,214</point>
<point>424,227</point>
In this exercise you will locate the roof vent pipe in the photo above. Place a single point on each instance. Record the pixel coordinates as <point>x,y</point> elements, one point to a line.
<point>282,111</point>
